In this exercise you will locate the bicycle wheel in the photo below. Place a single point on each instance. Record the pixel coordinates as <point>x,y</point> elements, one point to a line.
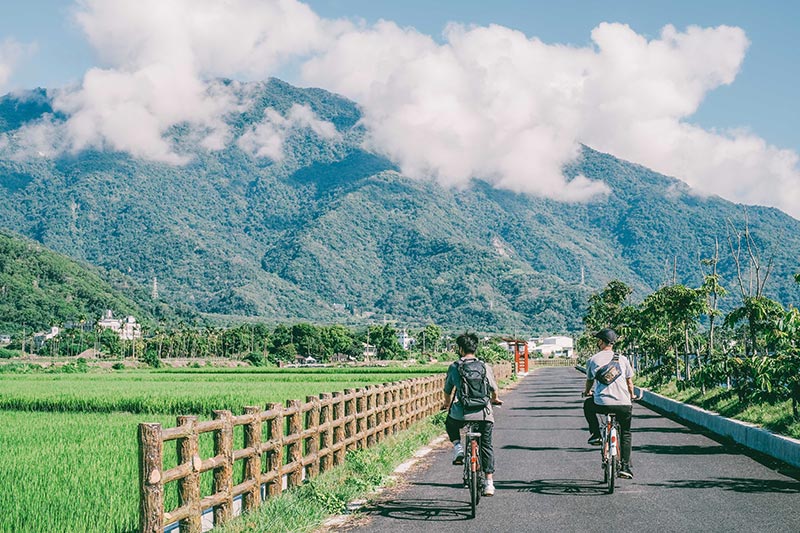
<point>612,474</point>
<point>474,482</point>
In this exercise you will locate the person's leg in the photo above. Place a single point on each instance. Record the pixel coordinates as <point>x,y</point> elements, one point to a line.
<point>487,450</point>
<point>487,457</point>
<point>590,413</point>
<point>453,428</point>
<point>624,415</point>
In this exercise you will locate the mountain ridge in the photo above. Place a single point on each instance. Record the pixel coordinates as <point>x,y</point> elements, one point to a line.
<point>334,225</point>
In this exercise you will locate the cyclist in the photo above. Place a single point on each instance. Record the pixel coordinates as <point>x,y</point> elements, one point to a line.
<point>458,416</point>
<point>614,397</point>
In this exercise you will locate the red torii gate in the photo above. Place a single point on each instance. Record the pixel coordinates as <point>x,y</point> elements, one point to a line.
<point>520,357</point>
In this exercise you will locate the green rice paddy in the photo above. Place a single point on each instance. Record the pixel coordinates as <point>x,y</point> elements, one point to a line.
<point>69,446</point>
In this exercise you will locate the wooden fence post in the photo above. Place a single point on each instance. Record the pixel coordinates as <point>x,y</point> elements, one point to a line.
<point>223,474</point>
<point>326,438</point>
<point>403,405</point>
<point>350,410</point>
<point>295,475</point>
<point>189,487</point>
<point>379,412</point>
<point>312,445</point>
<point>275,457</point>
<point>339,429</point>
<point>252,465</point>
<point>369,397</point>
<point>395,408</point>
<point>151,499</point>
<point>361,417</point>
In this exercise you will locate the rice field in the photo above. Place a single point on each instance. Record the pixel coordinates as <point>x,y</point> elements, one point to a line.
<point>69,450</point>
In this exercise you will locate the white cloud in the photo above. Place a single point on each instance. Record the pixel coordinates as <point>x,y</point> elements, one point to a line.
<point>487,102</point>
<point>11,52</point>
<point>267,138</point>
<point>159,56</point>
<point>491,102</point>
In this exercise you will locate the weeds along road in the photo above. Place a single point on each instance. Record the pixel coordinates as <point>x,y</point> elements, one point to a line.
<point>548,479</point>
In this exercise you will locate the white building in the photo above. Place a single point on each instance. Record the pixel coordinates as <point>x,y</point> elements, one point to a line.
<point>127,329</point>
<point>5,339</point>
<point>40,338</point>
<point>405,340</point>
<point>557,346</point>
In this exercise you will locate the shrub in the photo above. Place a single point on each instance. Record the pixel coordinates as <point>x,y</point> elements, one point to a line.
<point>255,359</point>
<point>118,366</point>
<point>5,353</point>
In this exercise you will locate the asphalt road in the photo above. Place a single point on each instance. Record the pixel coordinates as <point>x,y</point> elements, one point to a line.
<point>548,479</point>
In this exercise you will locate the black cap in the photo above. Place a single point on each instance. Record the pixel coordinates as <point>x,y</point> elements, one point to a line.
<point>608,335</point>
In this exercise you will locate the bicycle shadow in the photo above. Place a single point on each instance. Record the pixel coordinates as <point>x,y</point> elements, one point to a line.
<point>745,485</point>
<point>555,487</point>
<point>415,509</point>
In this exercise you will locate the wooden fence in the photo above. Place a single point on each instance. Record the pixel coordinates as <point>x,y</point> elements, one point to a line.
<point>282,445</point>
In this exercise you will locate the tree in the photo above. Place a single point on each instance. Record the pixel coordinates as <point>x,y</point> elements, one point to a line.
<point>605,311</point>
<point>429,337</point>
<point>385,340</point>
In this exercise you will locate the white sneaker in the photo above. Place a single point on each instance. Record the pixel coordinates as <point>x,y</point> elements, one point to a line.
<point>458,454</point>
<point>488,489</point>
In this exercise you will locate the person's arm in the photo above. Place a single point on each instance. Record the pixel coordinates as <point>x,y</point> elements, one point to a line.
<point>492,386</point>
<point>629,378</point>
<point>587,389</point>
<point>630,388</point>
<point>449,385</point>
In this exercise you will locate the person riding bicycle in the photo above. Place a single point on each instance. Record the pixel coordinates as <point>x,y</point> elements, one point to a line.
<point>473,374</point>
<point>612,377</point>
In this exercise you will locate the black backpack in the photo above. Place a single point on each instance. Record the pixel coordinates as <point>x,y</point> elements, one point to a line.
<point>609,373</point>
<point>474,391</point>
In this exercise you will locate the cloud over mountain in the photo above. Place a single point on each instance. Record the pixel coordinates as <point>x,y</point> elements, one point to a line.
<point>487,102</point>
<point>11,52</point>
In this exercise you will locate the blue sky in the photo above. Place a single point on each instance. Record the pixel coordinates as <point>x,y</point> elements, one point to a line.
<point>762,98</point>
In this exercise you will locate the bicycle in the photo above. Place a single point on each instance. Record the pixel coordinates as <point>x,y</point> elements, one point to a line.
<point>474,478</point>
<point>609,447</point>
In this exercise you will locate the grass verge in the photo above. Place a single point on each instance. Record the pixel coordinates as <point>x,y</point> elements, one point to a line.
<point>305,508</point>
<point>775,417</point>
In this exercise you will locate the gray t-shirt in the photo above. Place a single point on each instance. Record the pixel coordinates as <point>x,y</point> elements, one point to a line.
<point>453,381</point>
<point>615,393</point>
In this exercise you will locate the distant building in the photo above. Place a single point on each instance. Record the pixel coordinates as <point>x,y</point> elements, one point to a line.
<point>127,329</point>
<point>341,358</point>
<point>370,350</point>
<point>405,340</point>
<point>43,336</point>
<point>558,346</point>
<point>5,339</point>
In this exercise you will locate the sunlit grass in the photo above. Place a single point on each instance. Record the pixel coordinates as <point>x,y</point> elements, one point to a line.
<point>775,417</point>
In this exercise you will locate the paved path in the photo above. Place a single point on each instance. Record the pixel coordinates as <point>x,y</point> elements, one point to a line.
<point>548,479</point>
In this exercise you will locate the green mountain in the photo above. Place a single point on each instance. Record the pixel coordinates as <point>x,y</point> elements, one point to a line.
<point>334,233</point>
<point>40,288</point>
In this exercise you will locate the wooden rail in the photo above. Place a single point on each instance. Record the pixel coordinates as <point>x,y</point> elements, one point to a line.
<point>283,444</point>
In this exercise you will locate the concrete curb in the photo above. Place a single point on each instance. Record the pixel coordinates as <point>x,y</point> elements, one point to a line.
<point>784,449</point>
<point>779,447</point>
